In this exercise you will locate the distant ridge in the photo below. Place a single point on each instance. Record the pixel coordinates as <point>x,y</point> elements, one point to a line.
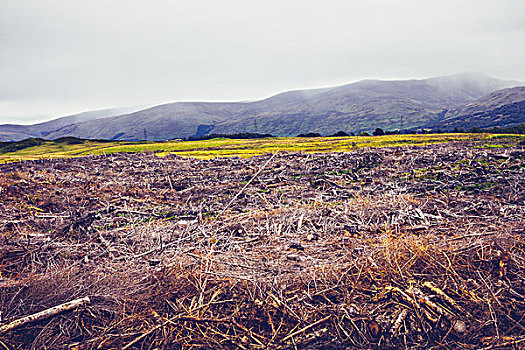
<point>14,132</point>
<point>356,107</point>
<point>502,108</point>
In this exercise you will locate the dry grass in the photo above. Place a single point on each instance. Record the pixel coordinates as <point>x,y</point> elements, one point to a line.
<point>309,255</point>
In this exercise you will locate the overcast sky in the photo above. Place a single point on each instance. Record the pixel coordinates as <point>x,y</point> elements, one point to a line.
<point>60,57</point>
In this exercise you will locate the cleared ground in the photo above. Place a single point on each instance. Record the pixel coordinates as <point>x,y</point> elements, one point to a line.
<point>398,247</point>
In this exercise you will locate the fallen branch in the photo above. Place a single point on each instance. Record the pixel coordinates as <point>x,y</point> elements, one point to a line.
<point>459,326</point>
<point>200,319</point>
<point>45,314</point>
<point>431,286</point>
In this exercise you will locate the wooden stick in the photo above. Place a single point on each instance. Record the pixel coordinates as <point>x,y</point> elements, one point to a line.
<point>4,346</point>
<point>306,328</point>
<point>397,323</point>
<point>45,314</point>
<point>442,294</point>
<point>248,183</point>
<point>505,344</point>
<point>200,319</point>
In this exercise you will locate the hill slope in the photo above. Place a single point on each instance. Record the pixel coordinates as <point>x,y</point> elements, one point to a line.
<point>13,132</point>
<point>365,105</point>
<point>502,108</point>
<point>360,106</point>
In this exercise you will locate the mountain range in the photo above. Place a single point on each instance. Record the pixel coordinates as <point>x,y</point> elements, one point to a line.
<point>462,100</point>
<point>13,132</point>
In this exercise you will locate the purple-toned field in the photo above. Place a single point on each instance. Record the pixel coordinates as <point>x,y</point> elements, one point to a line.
<point>389,248</point>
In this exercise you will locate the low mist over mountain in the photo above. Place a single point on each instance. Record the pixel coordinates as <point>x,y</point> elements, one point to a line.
<point>502,108</point>
<point>361,106</point>
<point>11,132</point>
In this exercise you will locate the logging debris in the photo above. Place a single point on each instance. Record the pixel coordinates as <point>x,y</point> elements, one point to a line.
<point>403,247</point>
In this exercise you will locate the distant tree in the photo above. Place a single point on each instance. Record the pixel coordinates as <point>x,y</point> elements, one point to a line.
<point>456,130</point>
<point>516,129</point>
<point>363,133</point>
<point>378,132</point>
<point>340,134</point>
<point>310,134</point>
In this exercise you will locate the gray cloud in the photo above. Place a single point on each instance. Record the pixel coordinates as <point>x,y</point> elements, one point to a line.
<point>61,57</point>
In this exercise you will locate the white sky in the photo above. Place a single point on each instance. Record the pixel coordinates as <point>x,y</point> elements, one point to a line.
<point>60,57</point>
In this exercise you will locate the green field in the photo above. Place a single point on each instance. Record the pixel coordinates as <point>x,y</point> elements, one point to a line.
<point>242,148</point>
